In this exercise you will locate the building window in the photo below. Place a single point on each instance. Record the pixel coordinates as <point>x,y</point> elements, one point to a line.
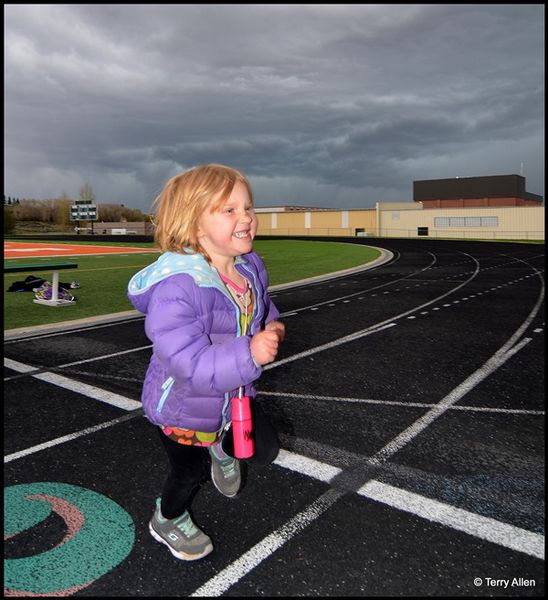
<point>442,222</point>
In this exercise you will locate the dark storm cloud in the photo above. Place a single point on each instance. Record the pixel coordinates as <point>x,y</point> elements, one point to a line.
<point>326,105</point>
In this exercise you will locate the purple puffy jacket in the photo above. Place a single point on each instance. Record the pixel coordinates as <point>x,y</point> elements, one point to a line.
<point>199,357</point>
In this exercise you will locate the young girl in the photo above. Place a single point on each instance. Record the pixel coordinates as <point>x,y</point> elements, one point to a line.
<point>213,326</point>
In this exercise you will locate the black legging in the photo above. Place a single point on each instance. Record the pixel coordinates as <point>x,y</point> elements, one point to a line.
<point>189,465</point>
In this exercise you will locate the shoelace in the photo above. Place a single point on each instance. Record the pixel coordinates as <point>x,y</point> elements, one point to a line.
<point>228,466</point>
<point>186,525</point>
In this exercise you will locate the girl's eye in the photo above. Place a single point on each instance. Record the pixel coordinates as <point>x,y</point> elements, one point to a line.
<point>232,209</point>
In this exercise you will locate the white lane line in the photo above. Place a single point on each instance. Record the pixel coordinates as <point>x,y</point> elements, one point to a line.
<point>372,329</point>
<point>69,327</point>
<point>307,516</point>
<point>310,306</point>
<point>75,386</point>
<point>306,466</point>
<point>67,438</point>
<point>267,546</point>
<point>79,362</point>
<point>488,529</point>
<point>485,528</point>
<point>506,351</point>
<point>403,438</point>
<point>512,411</point>
<point>333,344</point>
<point>249,560</point>
<point>479,526</point>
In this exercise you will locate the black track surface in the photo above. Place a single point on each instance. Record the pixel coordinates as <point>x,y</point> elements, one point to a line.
<point>457,325</point>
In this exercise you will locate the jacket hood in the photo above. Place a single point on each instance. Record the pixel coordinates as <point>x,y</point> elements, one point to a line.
<point>168,264</point>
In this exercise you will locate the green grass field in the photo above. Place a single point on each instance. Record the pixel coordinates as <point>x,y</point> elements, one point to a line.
<point>103,279</point>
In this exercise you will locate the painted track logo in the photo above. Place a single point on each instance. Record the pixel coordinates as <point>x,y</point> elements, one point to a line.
<point>80,535</point>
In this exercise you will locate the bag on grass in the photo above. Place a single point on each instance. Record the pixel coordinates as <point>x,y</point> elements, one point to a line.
<point>31,283</point>
<point>27,285</point>
<point>45,292</point>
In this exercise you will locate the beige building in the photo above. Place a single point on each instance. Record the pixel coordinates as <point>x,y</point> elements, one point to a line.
<point>408,219</point>
<point>122,228</point>
<point>490,222</point>
<point>317,222</point>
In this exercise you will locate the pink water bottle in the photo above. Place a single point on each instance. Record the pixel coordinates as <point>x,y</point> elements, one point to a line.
<point>242,426</point>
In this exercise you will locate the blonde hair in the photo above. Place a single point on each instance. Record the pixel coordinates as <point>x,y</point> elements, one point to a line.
<point>184,199</point>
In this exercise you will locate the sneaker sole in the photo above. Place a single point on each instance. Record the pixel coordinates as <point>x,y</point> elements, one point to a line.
<point>179,555</point>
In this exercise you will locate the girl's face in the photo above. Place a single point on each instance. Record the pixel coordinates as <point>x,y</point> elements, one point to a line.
<point>229,231</point>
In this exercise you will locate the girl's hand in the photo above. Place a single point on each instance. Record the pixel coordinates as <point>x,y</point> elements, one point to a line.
<point>278,327</point>
<point>264,346</point>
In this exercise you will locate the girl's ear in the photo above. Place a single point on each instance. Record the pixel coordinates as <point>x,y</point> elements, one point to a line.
<point>197,229</point>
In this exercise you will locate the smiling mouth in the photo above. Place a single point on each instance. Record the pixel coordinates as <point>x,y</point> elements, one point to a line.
<point>241,234</point>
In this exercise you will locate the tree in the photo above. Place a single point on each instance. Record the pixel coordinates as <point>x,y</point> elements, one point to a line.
<point>9,220</point>
<point>86,193</point>
<point>61,210</point>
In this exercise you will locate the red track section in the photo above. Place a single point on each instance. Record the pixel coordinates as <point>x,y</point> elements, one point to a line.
<point>24,250</point>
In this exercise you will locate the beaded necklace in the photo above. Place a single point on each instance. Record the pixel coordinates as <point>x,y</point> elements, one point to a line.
<point>243,294</point>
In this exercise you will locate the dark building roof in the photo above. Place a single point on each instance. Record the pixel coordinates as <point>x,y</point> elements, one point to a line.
<point>495,186</point>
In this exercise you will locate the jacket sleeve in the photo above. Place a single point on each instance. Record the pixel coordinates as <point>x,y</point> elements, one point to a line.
<point>185,348</point>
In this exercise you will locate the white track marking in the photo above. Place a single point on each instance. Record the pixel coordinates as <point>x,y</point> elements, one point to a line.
<point>446,514</point>
<point>311,306</point>
<point>75,386</point>
<point>372,329</point>
<point>248,561</point>
<point>486,528</point>
<point>511,411</point>
<point>32,370</point>
<point>68,438</point>
<point>268,545</point>
<point>343,340</point>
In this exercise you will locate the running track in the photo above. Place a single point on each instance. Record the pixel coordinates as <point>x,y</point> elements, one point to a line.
<point>410,404</point>
<point>35,250</point>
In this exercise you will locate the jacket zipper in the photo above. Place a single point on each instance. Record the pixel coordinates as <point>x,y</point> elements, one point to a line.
<point>255,316</point>
<point>166,386</point>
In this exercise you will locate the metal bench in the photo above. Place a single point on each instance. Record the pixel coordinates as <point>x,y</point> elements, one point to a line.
<point>55,268</point>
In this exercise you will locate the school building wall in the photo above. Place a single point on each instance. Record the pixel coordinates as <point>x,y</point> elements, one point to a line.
<point>513,222</point>
<point>403,219</point>
<point>330,222</point>
<point>131,227</point>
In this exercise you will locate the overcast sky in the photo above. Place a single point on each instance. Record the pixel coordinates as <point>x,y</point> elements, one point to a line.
<point>325,105</point>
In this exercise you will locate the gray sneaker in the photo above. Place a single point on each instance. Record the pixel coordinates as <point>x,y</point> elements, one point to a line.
<point>225,471</point>
<point>184,540</point>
